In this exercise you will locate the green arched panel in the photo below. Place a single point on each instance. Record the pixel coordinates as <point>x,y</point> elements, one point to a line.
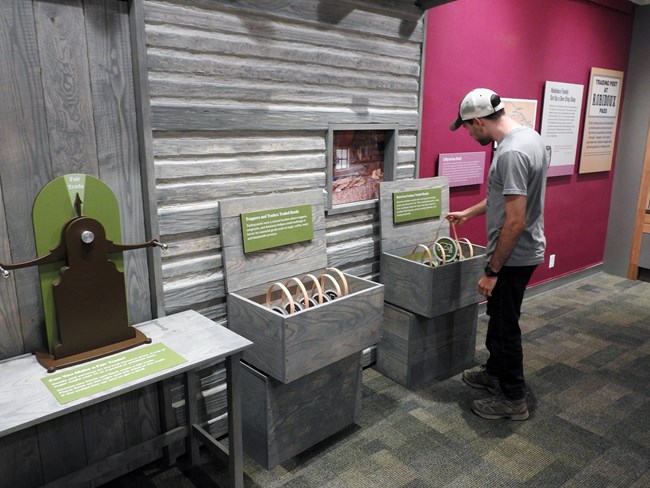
<point>53,208</point>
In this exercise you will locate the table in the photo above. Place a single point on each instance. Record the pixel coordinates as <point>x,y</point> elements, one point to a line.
<point>25,401</point>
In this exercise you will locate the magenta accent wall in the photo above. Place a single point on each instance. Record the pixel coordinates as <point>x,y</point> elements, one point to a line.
<point>513,47</point>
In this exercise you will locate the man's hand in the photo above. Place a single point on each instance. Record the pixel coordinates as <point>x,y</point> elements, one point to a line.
<point>486,284</point>
<point>456,218</point>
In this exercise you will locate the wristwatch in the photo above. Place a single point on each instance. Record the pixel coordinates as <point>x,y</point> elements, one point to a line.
<point>489,273</point>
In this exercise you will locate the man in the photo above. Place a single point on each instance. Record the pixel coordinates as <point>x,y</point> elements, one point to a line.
<point>516,244</point>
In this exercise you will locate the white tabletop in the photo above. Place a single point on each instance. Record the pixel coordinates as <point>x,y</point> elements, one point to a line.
<point>26,401</point>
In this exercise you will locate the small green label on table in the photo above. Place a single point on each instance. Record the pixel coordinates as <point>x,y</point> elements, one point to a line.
<point>417,205</point>
<point>102,374</point>
<point>277,227</point>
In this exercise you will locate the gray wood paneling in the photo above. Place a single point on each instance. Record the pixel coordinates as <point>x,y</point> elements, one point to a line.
<point>107,32</point>
<point>25,161</point>
<point>280,421</point>
<point>83,122</point>
<point>66,74</point>
<point>242,93</point>
<point>246,270</point>
<point>406,235</point>
<point>415,350</point>
<point>11,338</point>
<point>67,105</point>
<point>61,446</point>
<point>21,463</point>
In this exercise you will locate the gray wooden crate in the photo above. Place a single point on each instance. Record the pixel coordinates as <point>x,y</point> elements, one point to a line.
<point>282,420</point>
<point>288,347</point>
<point>415,350</point>
<point>412,285</point>
<point>428,291</point>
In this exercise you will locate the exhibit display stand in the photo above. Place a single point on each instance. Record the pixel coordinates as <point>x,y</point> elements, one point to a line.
<point>309,323</point>
<point>77,231</point>
<point>431,295</point>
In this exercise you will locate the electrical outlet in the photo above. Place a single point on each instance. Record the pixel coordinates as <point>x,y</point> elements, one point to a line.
<point>551,261</point>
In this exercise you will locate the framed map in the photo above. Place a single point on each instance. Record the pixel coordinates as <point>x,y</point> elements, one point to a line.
<point>521,110</point>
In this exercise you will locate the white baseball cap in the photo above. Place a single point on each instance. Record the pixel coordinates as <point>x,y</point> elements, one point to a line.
<point>478,103</point>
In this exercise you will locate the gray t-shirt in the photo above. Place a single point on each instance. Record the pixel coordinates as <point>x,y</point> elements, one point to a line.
<point>518,168</point>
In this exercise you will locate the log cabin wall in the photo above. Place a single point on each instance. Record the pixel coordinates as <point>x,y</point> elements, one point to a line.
<point>241,95</point>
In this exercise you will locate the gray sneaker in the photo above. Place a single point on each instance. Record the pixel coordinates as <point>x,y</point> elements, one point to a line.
<point>499,407</point>
<point>478,378</point>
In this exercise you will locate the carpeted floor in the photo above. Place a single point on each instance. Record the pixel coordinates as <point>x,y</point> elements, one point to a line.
<point>587,361</point>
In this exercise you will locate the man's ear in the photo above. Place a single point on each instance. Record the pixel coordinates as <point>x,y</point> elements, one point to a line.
<point>478,122</point>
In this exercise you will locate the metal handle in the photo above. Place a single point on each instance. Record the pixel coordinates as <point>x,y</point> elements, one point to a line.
<point>4,272</point>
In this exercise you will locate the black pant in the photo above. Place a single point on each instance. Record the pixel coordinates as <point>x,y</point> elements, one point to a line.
<point>503,339</point>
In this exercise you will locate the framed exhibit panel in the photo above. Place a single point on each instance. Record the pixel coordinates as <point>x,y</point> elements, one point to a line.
<point>359,158</point>
<point>601,120</point>
<point>560,124</point>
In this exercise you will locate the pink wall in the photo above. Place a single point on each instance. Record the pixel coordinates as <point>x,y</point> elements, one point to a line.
<point>513,47</point>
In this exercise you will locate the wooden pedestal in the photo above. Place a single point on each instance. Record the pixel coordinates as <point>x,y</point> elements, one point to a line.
<point>288,347</point>
<point>414,350</point>
<point>430,317</point>
<point>282,420</point>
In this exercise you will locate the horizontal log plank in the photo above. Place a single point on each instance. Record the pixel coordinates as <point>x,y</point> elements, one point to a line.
<point>237,166</point>
<point>174,117</point>
<point>369,20</point>
<point>196,87</point>
<point>223,188</point>
<point>247,46</point>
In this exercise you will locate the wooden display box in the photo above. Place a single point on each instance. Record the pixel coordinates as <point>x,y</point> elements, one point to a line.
<point>428,291</point>
<point>288,347</point>
<point>282,420</point>
<point>430,317</point>
<point>414,286</point>
<point>415,350</point>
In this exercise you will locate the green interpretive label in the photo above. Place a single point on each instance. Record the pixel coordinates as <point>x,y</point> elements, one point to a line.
<point>110,371</point>
<point>417,205</point>
<point>278,227</point>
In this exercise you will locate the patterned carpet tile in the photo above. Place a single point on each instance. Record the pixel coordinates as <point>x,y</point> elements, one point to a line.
<point>587,361</point>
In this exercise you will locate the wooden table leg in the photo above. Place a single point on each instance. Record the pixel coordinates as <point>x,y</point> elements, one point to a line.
<point>191,392</point>
<point>167,418</point>
<point>235,448</point>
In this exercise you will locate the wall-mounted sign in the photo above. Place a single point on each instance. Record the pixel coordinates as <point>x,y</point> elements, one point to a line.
<point>560,124</point>
<point>605,88</point>
<point>462,169</point>
<point>277,227</point>
<point>417,204</point>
